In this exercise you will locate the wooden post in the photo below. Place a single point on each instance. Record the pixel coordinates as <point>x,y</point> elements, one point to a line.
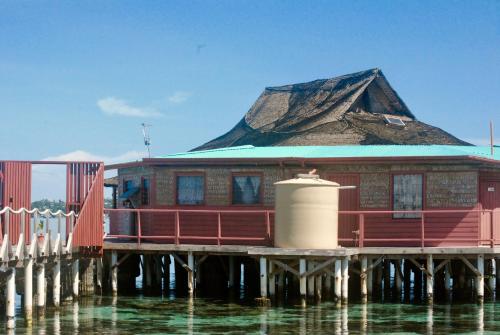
<point>98,274</point>
<point>40,289</point>
<point>387,276</point>
<point>345,280</point>
<point>447,279</point>
<point>406,279</point>
<point>397,277</point>
<point>272,280</point>
<point>231,272</point>
<point>492,281</point>
<point>318,286</point>
<point>28,289</point>
<point>369,278</point>
<point>328,285</point>
<point>303,282</point>
<point>76,277</point>
<point>190,274</point>
<point>338,280</point>
<point>147,271</point>
<point>480,278</point>
<point>114,273</point>
<point>56,283</point>
<point>10,311</point>
<point>263,278</point>
<point>310,281</point>
<point>166,272</point>
<point>363,279</point>
<point>430,279</point>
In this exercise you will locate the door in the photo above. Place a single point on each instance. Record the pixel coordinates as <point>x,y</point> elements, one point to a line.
<point>348,201</point>
<point>490,199</point>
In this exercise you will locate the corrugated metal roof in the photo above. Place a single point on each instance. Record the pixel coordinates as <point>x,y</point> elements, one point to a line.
<point>341,151</point>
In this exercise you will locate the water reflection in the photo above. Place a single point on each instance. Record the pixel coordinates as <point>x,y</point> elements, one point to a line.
<point>130,315</point>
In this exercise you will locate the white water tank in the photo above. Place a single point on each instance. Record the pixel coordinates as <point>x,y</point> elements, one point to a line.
<point>306,213</point>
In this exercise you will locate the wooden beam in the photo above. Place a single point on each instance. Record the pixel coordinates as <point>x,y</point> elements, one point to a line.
<point>181,262</point>
<point>470,266</point>
<point>320,267</point>
<point>420,266</point>
<point>121,260</point>
<point>441,265</point>
<point>286,267</point>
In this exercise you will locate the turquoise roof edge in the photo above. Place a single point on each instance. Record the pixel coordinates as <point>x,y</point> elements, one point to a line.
<point>340,151</point>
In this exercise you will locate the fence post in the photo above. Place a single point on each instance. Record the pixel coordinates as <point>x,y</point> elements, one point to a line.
<point>268,226</point>
<point>361,230</point>
<point>139,227</point>
<point>422,229</point>
<point>219,228</point>
<point>177,227</point>
<point>492,223</point>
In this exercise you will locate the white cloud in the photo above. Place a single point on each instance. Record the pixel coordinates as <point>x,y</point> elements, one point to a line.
<point>179,97</point>
<point>49,181</point>
<point>115,106</point>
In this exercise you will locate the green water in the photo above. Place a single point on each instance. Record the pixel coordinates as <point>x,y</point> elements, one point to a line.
<point>146,315</point>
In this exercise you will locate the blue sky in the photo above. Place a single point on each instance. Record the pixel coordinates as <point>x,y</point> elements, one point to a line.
<point>78,78</point>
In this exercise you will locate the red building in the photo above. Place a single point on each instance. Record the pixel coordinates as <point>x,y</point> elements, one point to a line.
<point>406,195</point>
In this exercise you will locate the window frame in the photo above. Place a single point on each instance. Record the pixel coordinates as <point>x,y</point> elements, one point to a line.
<point>247,174</point>
<point>417,216</point>
<point>190,174</point>
<point>125,186</point>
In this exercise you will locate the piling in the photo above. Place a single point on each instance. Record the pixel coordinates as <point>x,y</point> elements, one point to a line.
<point>310,281</point>
<point>303,281</point>
<point>231,272</point>
<point>10,311</point>
<point>345,280</point>
<point>28,290</point>
<point>492,281</point>
<point>190,274</point>
<point>369,278</point>
<point>363,278</point>
<point>114,272</point>
<point>272,280</point>
<point>338,280</point>
<point>40,289</point>
<point>480,279</point>
<point>430,279</point>
<point>56,283</point>
<point>76,277</point>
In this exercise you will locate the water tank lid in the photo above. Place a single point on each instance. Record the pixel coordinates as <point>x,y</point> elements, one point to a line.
<point>308,179</point>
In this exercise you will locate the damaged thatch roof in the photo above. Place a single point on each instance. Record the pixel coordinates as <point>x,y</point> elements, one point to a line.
<point>350,109</point>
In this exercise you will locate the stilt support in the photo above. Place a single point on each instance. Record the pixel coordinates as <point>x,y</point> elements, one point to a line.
<point>114,272</point>
<point>345,280</point>
<point>430,278</point>
<point>231,272</point>
<point>56,283</point>
<point>363,279</point>
<point>28,290</point>
<point>303,281</point>
<point>40,289</point>
<point>338,280</point>
<point>190,274</point>
<point>76,277</point>
<point>11,299</point>
<point>480,278</point>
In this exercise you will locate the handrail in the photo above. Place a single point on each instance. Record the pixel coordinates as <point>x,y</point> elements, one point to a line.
<point>362,216</point>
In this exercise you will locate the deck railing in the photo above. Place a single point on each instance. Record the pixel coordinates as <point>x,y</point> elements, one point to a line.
<point>191,226</point>
<point>471,227</point>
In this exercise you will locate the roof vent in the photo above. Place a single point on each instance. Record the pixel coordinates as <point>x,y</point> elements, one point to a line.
<point>394,121</point>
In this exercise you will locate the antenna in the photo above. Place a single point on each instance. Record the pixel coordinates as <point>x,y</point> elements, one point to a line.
<point>491,138</point>
<point>145,134</point>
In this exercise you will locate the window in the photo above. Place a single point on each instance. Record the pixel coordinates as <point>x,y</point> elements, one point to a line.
<point>246,190</point>
<point>190,190</point>
<point>407,195</point>
<point>127,185</point>
<point>145,191</point>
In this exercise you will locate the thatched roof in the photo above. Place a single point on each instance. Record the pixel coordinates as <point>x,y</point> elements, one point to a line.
<point>349,109</point>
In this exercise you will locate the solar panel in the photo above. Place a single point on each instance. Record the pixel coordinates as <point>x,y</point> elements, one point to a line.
<point>394,121</point>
